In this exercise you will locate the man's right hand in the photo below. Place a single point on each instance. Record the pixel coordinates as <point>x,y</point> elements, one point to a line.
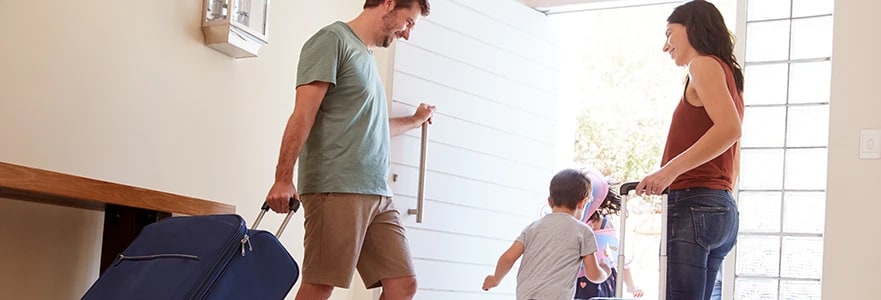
<point>279,196</point>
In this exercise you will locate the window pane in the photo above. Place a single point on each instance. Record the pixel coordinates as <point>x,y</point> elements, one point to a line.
<point>801,8</point>
<point>804,212</point>
<point>764,126</point>
<point>758,255</point>
<point>806,169</point>
<point>767,41</point>
<point>767,9</point>
<point>808,126</point>
<point>759,211</point>
<point>800,290</point>
<point>765,84</point>
<point>811,38</point>
<point>755,289</point>
<point>810,82</point>
<point>761,169</point>
<point>802,257</point>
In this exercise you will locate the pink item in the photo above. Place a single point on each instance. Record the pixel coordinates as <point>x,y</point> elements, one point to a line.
<point>600,190</point>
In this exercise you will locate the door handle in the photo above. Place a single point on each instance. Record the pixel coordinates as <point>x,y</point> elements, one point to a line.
<point>419,211</point>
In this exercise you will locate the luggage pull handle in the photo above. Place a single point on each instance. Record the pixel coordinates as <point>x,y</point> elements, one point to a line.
<point>419,211</point>
<point>630,186</point>
<point>294,206</point>
<point>662,263</point>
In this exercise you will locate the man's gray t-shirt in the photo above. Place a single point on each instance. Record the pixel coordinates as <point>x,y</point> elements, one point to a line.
<point>347,150</point>
<point>554,247</point>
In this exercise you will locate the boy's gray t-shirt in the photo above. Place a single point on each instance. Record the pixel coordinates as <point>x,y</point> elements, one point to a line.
<point>554,247</point>
<point>347,150</point>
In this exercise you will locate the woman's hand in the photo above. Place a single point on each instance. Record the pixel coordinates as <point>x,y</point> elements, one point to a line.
<point>655,183</point>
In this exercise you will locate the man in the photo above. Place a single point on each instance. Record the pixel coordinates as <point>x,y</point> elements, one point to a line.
<point>340,131</point>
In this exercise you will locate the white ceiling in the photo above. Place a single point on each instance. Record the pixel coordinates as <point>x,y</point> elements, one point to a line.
<point>562,6</point>
<point>545,4</point>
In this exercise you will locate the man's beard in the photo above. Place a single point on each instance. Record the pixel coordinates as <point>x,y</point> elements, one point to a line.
<point>388,24</point>
<point>387,41</point>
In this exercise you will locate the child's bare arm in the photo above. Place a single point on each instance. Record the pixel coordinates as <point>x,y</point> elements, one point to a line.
<point>594,271</point>
<point>506,261</point>
<point>631,287</point>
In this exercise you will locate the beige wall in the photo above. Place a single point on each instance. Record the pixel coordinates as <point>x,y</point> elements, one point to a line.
<point>852,265</point>
<point>126,91</point>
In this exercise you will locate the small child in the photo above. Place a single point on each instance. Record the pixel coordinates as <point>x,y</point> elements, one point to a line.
<point>555,246</point>
<point>606,202</point>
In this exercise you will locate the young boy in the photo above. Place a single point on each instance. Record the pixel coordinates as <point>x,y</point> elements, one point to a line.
<point>555,246</point>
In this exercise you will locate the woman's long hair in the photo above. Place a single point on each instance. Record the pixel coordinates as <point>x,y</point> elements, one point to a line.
<point>708,34</point>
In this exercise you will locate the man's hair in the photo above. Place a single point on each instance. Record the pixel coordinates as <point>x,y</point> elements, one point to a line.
<point>568,188</point>
<point>399,4</point>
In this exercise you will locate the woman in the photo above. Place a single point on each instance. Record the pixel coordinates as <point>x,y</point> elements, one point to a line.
<point>701,156</point>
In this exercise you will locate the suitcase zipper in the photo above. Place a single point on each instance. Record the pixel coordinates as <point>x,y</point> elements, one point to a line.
<point>204,286</point>
<point>154,256</point>
<point>123,257</point>
<point>246,240</point>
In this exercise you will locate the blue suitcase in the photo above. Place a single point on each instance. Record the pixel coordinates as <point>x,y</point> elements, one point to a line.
<point>201,257</point>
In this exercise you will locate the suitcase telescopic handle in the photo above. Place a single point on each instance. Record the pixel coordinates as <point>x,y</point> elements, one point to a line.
<point>294,206</point>
<point>662,263</point>
<point>629,186</point>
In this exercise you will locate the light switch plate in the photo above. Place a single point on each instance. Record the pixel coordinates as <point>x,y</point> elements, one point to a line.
<point>870,144</point>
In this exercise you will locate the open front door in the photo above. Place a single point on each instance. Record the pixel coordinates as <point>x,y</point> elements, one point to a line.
<point>490,68</point>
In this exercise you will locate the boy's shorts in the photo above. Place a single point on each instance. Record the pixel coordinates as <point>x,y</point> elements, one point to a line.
<point>349,231</point>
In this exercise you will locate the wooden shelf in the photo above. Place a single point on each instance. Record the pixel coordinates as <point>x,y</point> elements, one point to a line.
<point>128,209</point>
<point>30,184</point>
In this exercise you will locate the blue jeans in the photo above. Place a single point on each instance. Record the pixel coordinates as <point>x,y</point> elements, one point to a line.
<point>717,288</point>
<point>701,229</point>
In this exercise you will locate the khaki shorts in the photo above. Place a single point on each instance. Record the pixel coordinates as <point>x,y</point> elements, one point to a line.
<point>349,231</point>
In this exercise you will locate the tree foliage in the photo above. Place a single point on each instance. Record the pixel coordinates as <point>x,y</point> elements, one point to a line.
<point>625,89</point>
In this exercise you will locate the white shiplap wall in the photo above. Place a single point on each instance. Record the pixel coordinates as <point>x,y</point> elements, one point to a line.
<point>489,66</point>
